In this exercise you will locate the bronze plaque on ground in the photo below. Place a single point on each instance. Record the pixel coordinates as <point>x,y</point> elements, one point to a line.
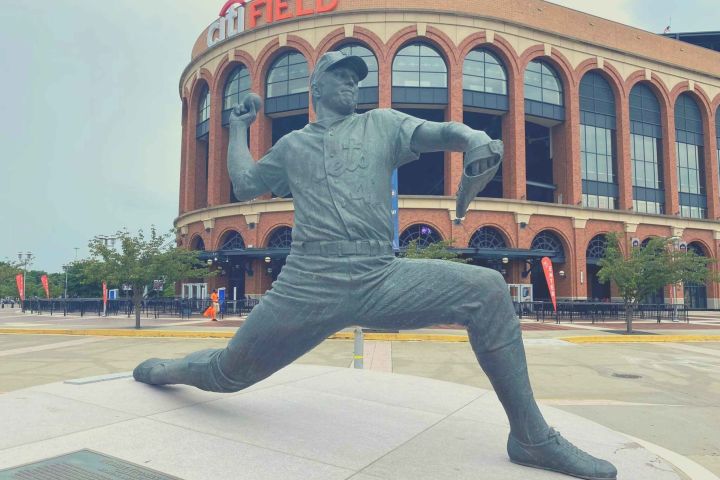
<point>83,465</point>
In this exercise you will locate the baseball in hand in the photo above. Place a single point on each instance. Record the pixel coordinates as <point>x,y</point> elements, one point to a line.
<point>250,99</point>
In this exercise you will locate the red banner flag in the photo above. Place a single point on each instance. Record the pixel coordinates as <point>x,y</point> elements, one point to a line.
<point>46,285</point>
<point>550,278</point>
<point>20,285</point>
<point>105,293</point>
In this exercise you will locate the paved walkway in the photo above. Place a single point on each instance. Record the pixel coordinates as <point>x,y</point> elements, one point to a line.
<point>665,392</point>
<point>303,422</point>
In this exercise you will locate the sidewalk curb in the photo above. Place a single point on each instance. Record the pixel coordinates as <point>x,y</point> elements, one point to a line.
<point>388,337</point>
<point>398,337</point>
<point>642,339</point>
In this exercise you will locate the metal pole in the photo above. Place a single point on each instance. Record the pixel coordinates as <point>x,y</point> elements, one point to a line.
<point>358,351</point>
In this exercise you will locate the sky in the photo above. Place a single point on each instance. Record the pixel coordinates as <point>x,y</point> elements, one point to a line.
<point>90,112</point>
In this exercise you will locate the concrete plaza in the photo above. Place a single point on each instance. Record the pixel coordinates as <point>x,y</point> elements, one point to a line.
<point>665,394</point>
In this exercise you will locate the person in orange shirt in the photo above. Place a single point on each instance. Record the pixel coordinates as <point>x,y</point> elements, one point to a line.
<point>214,307</point>
<point>215,304</point>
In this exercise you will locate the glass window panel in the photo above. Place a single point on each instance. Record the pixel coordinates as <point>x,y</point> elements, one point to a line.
<point>299,85</point>
<point>406,64</point>
<point>534,66</point>
<point>474,68</point>
<point>433,79</point>
<point>476,56</point>
<point>495,86</point>
<point>433,64</point>
<point>406,79</point>
<point>474,83</point>
<point>295,58</point>
<point>602,170</point>
<point>277,89</point>
<point>549,82</point>
<point>426,51</point>
<point>592,201</point>
<point>278,74</point>
<point>299,70</point>
<point>411,50</point>
<point>603,202</point>
<point>590,139</point>
<point>370,81</point>
<point>533,93</point>
<point>601,144</point>
<point>494,71</point>
<point>532,78</point>
<point>552,97</point>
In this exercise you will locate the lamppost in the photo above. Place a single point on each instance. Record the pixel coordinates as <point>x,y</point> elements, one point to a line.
<point>25,260</point>
<point>108,241</point>
<point>65,267</point>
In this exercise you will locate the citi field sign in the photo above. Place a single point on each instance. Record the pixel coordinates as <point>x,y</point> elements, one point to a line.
<point>232,15</point>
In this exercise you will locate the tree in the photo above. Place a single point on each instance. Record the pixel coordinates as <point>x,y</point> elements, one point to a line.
<point>437,250</point>
<point>139,261</point>
<point>8,287</point>
<point>646,269</point>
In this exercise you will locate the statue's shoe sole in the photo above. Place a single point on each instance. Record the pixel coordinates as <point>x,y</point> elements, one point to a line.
<point>584,477</point>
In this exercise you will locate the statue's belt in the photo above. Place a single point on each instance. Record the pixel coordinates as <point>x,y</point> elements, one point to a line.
<point>342,248</point>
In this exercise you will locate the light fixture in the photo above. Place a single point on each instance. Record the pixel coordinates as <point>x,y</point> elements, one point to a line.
<point>268,259</point>
<point>505,260</point>
<point>209,261</point>
<point>561,273</point>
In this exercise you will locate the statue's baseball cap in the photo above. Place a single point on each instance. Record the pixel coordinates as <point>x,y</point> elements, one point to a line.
<point>335,59</point>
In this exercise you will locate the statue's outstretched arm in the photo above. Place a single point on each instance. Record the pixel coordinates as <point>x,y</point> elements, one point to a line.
<point>243,170</point>
<point>483,156</point>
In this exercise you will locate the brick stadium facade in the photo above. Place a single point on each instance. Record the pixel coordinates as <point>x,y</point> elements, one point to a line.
<point>607,128</point>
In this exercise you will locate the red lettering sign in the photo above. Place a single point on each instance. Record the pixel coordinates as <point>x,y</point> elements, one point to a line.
<point>232,15</point>
<point>280,10</point>
<point>299,11</point>
<point>321,8</point>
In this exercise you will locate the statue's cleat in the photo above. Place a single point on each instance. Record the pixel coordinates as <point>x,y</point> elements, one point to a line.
<point>559,455</point>
<point>142,372</point>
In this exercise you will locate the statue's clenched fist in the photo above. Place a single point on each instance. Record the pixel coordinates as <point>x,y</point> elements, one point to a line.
<point>246,111</point>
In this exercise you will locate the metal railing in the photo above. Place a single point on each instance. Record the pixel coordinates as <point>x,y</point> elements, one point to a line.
<point>599,311</point>
<point>152,307</point>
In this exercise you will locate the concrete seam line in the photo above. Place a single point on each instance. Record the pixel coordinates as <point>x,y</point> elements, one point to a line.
<point>686,465</point>
<point>642,339</point>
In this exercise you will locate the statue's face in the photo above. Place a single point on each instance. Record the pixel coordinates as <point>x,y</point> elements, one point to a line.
<point>338,90</point>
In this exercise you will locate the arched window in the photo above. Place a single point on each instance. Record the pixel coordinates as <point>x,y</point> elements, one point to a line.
<point>288,75</point>
<point>689,142</point>
<point>370,60</point>
<point>596,249</point>
<point>232,240</point>
<point>483,72</point>
<point>487,237</point>
<point>281,237</point>
<point>197,243</point>
<point>542,84</point>
<point>203,113</point>
<point>546,240</point>
<point>423,234</point>
<point>419,65</point>
<point>237,86</point>
<point>646,139</point>
<point>597,142</point>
